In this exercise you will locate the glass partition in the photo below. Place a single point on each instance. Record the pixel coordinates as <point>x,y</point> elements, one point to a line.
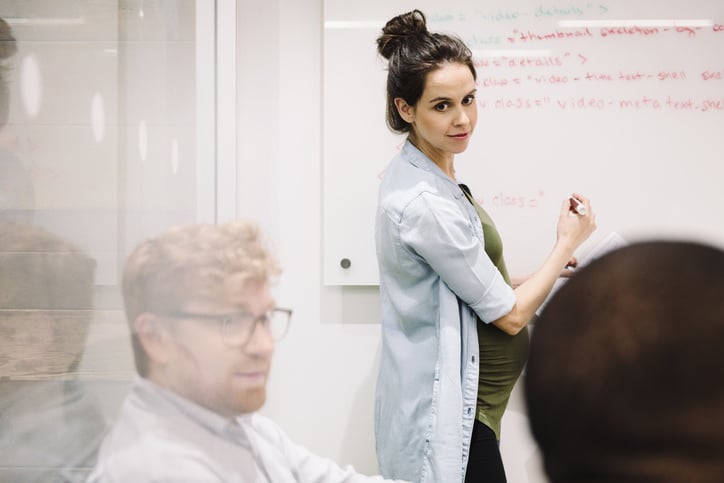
<point>107,136</point>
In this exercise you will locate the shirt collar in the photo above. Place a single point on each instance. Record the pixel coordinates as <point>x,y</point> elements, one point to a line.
<point>210,420</point>
<point>418,159</point>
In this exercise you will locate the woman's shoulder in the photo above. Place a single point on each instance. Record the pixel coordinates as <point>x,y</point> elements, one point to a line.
<point>399,190</point>
<point>405,180</point>
<point>426,198</point>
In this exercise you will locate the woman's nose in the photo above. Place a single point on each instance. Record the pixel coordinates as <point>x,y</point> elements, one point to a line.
<point>462,117</point>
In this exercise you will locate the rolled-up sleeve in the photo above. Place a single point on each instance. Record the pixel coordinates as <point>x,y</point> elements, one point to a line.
<point>435,228</point>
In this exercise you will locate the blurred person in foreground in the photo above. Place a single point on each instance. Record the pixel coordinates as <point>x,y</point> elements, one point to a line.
<point>17,195</point>
<point>204,325</point>
<point>624,378</point>
<point>50,428</point>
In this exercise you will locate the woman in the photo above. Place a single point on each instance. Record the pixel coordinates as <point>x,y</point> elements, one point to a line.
<point>454,330</point>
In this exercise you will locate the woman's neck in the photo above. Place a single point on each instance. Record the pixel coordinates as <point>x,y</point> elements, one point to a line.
<point>444,161</point>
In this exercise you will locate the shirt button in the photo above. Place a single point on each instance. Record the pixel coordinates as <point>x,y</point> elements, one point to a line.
<point>473,359</point>
<point>469,410</point>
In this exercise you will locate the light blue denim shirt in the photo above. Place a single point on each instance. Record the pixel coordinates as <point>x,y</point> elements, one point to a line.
<point>434,277</point>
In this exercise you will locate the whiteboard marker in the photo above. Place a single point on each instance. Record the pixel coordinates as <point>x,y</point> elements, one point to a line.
<point>578,206</point>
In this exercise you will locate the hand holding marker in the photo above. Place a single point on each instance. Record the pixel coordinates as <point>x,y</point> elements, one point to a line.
<point>577,206</point>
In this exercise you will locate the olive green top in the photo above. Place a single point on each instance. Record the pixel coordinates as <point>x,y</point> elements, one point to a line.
<point>502,356</point>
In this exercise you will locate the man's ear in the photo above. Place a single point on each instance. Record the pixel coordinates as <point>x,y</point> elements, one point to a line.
<point>153,336</point>
<point>406,111</point>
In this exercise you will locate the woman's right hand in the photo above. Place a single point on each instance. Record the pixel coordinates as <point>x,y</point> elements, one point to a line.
<point>573,229</point>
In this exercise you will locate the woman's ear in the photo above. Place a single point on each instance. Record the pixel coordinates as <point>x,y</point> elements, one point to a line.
<point>153,336</point>
<point>406,111</point>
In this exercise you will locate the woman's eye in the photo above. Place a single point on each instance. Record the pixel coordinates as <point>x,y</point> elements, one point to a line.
<point>468,100</point>
<point>441,107</point>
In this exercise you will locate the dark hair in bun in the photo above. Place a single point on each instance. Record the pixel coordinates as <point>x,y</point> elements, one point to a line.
<point>412,52</point>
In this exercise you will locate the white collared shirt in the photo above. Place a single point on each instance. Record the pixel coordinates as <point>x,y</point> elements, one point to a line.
<point>162,437</point>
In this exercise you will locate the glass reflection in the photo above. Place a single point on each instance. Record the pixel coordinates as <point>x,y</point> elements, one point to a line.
<point>79,187</point>
<point>50,429</point>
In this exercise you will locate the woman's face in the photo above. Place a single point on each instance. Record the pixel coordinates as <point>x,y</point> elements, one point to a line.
<point>445,116</point>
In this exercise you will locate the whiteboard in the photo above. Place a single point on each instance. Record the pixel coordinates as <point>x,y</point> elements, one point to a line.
<point>622,101</point>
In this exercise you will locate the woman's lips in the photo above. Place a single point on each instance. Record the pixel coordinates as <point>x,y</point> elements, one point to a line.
<point>460,137</point>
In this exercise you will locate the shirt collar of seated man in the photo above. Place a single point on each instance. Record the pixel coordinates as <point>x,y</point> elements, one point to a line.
<point>199,303</point>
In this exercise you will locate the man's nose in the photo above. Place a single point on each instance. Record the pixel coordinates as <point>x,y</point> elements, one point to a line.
<point>261,342</point>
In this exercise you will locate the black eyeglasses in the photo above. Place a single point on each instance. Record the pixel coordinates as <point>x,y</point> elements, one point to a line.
<point>237,328</point>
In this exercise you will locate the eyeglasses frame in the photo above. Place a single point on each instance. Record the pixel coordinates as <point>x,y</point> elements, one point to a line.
<point>224,319</point>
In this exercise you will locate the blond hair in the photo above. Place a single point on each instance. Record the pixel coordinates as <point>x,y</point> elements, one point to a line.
<point>196,260</point>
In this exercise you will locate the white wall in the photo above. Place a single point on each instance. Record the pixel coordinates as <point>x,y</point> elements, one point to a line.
<point>322,388</point>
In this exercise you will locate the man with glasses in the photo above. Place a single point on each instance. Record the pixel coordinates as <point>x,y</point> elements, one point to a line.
<point>204,326</point>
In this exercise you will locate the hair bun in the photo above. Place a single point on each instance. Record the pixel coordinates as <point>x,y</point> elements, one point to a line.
<point>397,30</point>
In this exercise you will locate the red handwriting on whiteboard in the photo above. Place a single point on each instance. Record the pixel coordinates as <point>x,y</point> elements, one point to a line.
<point>708,75</point>
<point>633,30</point>
<point>582,102</point>
<point>505,61</point>
<point>525,62</point>
<point>493,82</point>
<point>587,103</point>
<point>605,32</point>
<point>517,103</point>
<point>516,200</point>
<point>712,105</point>
<point>591,76</point>
<point>530,36</point>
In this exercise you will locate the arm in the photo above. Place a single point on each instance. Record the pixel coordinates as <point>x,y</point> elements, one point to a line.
<point>572,230</point>
<point>518,280</point>
<point>435,230</point>
<point>567,272</point>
